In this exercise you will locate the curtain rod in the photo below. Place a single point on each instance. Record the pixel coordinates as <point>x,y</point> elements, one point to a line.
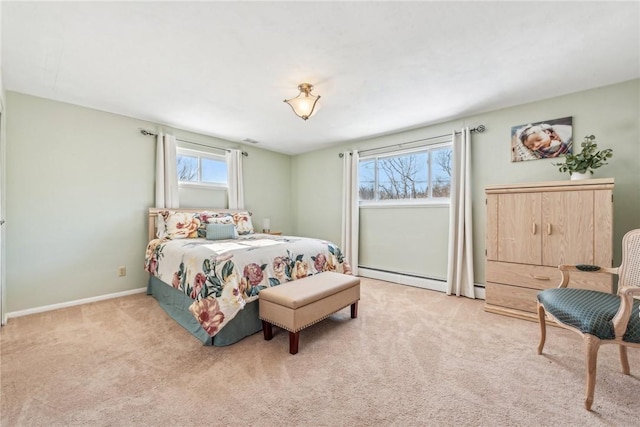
<point>478,129</point>
<point>146,132</point>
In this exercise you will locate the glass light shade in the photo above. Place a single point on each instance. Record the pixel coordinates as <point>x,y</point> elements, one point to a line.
<point>304,104</point>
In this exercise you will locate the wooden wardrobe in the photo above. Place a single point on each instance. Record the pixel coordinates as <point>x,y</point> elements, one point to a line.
<point>532,228</point>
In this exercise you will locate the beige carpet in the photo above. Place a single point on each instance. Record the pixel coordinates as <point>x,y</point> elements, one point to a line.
<point>413,357</point>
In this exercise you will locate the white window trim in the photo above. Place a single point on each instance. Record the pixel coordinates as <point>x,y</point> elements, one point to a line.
<point>203,185</point>
<point>407,150</point>
<point>207,155</point>
<point>434,202</point>
<point>428,202</point>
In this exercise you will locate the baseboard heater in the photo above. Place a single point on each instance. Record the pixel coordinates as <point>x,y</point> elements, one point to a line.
<point>403,278</point>
<point>425,282</point>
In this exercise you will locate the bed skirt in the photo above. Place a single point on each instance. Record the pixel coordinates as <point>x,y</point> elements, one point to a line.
<point>176,304</point>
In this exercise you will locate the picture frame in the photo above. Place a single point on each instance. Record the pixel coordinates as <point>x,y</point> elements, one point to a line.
<point>547,139</point>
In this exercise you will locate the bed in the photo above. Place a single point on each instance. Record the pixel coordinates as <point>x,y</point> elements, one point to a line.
<point>207,266</point>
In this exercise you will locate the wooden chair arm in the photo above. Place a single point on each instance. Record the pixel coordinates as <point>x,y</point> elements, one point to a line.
<point>621,319</point>
<point>566,269</point>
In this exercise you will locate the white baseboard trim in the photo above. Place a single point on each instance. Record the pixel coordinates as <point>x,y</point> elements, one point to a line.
<point>44,308</point>
<point>403,279</point>
<point>419,282</point>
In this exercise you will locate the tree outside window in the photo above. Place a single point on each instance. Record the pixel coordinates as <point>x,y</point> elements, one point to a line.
<point>187,168</point>
<point>418,175</point>
<point>201,168</point>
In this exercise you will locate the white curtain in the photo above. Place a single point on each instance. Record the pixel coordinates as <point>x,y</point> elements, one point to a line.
<point>350,209</point>
<point>234,179</point>
<point>166,172</point>
<point>460,268</point>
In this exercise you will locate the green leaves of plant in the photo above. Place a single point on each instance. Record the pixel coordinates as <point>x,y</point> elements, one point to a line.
<point>587,160</point>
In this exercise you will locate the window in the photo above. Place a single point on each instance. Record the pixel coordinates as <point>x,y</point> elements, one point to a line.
<point>201,168</point>
<point>422,176</point>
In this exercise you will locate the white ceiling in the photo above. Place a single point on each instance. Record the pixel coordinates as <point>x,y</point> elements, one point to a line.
<point>224,68</point>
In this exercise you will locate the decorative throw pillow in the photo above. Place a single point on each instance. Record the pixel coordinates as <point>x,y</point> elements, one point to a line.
<point>161,223</point>
<point>243,222</point>
<point>221,231</point>
<point>204,218</point>
<point>182,225</point>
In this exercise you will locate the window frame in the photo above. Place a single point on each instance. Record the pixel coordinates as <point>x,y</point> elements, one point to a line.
<point>190,152</point>
<point>428,201</point>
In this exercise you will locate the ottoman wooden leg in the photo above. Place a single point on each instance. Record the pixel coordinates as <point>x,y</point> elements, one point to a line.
<point>294,339</point>
<point>267,330</point>
<point>354,310</point>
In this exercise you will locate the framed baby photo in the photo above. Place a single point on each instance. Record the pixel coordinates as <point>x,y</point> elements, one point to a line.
<point>542,140</point>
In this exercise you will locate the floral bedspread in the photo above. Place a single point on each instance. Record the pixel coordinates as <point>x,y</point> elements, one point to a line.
<point>223,276</point>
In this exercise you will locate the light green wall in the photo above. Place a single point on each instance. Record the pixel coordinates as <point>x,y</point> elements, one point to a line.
<point>612,113</point>
<point>267,188</point>
<point>3,203</point>
<point>3,298</point>
<point>192,197</point>
<point>79,183</point>
<point>317,195</point>
<point>415,228</point>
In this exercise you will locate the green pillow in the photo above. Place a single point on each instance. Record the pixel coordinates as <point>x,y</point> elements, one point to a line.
<point>221,231</point>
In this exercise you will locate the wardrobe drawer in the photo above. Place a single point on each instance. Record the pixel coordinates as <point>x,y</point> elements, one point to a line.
<point>542,277</point>
<point>513,297</point>
<point>523,275</point>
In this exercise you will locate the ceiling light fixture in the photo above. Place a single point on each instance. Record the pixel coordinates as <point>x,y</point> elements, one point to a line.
<point>304,104</point>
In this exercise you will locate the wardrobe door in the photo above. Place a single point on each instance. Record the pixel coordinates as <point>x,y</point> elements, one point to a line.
<point>567,227</point>
<point>519,234</point>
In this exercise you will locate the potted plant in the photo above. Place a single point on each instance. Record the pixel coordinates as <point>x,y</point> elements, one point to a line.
<point>581,165</point>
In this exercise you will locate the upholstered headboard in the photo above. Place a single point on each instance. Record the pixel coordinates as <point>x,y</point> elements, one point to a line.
<point>153,215</point>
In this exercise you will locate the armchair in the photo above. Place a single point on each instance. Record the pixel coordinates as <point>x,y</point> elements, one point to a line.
<point>599,317</point>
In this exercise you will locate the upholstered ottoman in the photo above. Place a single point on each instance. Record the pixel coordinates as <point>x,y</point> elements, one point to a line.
<point>295,305</point>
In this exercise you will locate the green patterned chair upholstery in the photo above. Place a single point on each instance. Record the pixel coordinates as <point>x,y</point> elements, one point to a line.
<point>600,318</point>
